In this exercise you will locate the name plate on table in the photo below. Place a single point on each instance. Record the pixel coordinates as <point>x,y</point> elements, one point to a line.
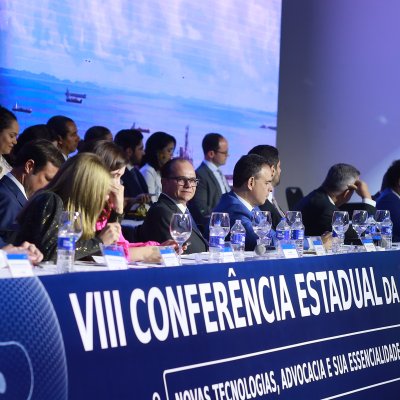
<point>227,253</point>
<point>368,244</point>
<point>19,264</point>
<point>114,257</point>
<point>319,247</point>
<point>289,250</point>
<point>169,256</point>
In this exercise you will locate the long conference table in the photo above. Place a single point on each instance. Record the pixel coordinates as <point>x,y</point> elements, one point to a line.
<point>321,327</point>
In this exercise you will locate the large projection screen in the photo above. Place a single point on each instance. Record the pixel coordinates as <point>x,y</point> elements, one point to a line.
<point>180,66</point>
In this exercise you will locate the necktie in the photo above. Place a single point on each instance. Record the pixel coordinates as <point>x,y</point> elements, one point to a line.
<point>275,203</point>
<point>224,182</point>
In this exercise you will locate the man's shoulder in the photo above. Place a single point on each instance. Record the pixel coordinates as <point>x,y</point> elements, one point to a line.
<point>230,200</point>
<point>8,188</point>
<point>315,197</point>
<point>387,197</point>
<point>163,203</point>
<point>203,170</point>
<point>6,182</point>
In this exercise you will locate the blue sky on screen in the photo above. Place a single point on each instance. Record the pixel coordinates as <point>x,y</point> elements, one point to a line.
<point>217,57</point>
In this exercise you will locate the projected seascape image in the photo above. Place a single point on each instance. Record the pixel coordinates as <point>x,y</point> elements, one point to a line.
<point>176,66</point>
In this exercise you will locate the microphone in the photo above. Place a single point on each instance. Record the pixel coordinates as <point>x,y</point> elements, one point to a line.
<point>260,249</point>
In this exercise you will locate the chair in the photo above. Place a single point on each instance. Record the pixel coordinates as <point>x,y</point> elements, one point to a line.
<point>293,196</point>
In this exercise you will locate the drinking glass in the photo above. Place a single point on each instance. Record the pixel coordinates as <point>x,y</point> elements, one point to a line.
<point>360,222</point>
<point>261,222</point>
<point>220,219</point>
<point>340,224</point>
<point>292,215</point>
<point>180,229</point>
<point>380,216</point>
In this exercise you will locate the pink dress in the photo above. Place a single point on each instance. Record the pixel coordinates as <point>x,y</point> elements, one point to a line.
<point>102,222</point>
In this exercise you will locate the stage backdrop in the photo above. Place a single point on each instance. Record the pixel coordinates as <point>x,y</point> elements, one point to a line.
<point>178,66</point>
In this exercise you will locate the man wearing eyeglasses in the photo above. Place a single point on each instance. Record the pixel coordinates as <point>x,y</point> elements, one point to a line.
<point>179,184</point>
<point>212,183</point>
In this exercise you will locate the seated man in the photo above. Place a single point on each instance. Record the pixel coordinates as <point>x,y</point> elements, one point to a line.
<point>389,198</point>
<point>339,185</point>
<point>252,184</point>
<point>179,183</point>
<point>36,164</point>
<point>271,155</point>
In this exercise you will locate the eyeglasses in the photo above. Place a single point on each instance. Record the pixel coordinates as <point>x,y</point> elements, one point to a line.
<point>225,153</point>
<point>183,181</point>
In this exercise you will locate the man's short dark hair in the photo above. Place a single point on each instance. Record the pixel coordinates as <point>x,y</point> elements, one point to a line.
<point>270,153</point>
<point>33,132</point>
<point>167,168</point>
<point>58,126</point>
<point>96,132</point>
<point>392,176</point>
<point>211,142</point>
<point>128,138</point>
<point>339,177</point>
<point>41,151</point>
<point>247,166</point>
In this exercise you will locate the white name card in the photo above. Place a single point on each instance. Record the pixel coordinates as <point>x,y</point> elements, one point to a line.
<point>319,247</point>
<point>227,253</point>
<point>114,257</point>
<point>368,244</point>
<point>289,250</point>
<point>169,256</point>
<point>19,264</point>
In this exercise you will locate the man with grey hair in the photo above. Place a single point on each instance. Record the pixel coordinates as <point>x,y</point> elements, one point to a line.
<point>339,185</point>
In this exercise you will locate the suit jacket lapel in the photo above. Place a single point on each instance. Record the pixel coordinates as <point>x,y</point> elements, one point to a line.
<point>14,189</point>
<point>213,179</point>
<point>172,205</point>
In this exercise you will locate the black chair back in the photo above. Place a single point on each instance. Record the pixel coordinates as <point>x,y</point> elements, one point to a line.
<point>293,196</point>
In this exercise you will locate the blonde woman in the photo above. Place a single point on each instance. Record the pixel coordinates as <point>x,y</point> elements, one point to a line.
<point>82,184</point>
<point>114,159</point>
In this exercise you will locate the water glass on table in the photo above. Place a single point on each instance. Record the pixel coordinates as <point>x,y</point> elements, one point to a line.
<point>340,225</point>
<point>180,228</point>
<point>385,226</point>
<point>261,222</point>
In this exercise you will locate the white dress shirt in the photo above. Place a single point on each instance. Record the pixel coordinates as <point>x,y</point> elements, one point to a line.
<point>219,176</point>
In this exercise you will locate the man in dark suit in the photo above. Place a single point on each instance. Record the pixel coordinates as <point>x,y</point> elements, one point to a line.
<point>271,155</point>
<point>36,164</point>
<point>252,184</point>
<point>318,207</point>
<point>212,182</point>
<point>179,186</point>
<point>131,142</point>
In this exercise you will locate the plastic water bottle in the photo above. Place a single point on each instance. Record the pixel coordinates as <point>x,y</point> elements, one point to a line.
<point>216,242</point>
<point>238,238</point>
<point>386,233</point>
<point>335,243</point>
<point>282,233</point>
<point>65,249</point>
<point>298,235</point>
